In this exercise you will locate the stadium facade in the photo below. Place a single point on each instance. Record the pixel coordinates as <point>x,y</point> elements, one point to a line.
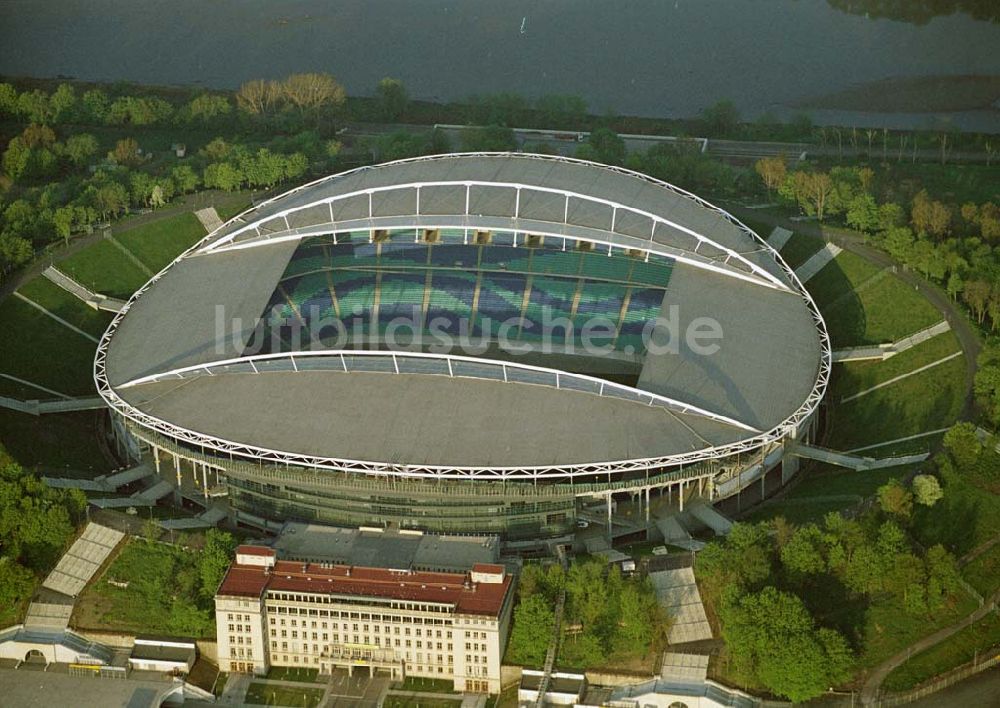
<point>469,343</point>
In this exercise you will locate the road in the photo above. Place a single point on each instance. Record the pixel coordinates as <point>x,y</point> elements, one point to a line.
<point>565,142</point>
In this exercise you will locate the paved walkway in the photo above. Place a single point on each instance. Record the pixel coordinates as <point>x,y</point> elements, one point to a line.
<point>817,262</point>
<point>887,351</point>
<point>81,292</point>
<point>854,462</point>
<point>778,238</point>
<point>899,440</point>
<point>897,379</point>
<point>870,691</point>
<point>209,218</point>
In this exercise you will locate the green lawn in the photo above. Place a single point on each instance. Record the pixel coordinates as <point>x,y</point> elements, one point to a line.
<point>427,685</point>
<point>162,596</point>
<point>796,511</point>
<point>983,573</point>
<point>159,242</point>
<point>960,648</point>
<point>855,376</point>
<point>293,673</point>
<point>799,248</point>
<point>228,212</point>
<point>824,480</point>
<point>104,269</point>
<point>926,401</point>
<point>61,303</point>
<point>885,312</point>
<point>57,444</point>
<point>38,349</point>
<point>273,695</point>
<point>840,277</point>
<point>401,702</point>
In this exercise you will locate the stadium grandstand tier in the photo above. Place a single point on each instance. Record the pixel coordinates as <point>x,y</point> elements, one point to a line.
<point>471,343</point>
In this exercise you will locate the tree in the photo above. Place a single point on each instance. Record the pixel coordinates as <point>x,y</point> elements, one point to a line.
<point>258,97</point>
<point>721,119</point>
<point>311,92</point>
<point>773,640</point>
<point>606,146</point>
<point>63,103</point>
<point>802,555</point>
<point>492,138</point>
<point>8,100</point>
<point>963,444</point>
<point>566,111</point>
<point>863,213</point>
<point>977,297</point>
<point>208,108</point>
<point>214,560</point>
<point>126,152</point>
<point>987,382</point>
<point>392,98</point>
<point>110,198</point>
<point>772,171</point>
<point>927,489</point>
<point>534,624</point>
<point>34,106</point>
<point>16,158</point>
<point>929,216</point>
<point>62,219</point>
<point>80,147</point>
<point>185,178</point>
<point>17,583</point>
<point>95,106</point>
<point>815,188</point>
<point>222,175</point>
<point>943,577</point>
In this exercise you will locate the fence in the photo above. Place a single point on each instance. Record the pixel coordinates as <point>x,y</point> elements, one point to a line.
<point>943,681</point>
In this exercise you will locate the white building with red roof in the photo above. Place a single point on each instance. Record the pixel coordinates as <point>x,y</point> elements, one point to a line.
<point>454,626</point>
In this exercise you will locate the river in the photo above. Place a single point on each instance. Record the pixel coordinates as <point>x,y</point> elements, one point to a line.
<point>666,58</point>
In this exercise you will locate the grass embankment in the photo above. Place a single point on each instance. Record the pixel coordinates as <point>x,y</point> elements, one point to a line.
<point>38,349</point>
<point>962,647</point>
<point>60,303</point>
<point>103,268</point>
<point>930,400</point>
<point>159,242</point>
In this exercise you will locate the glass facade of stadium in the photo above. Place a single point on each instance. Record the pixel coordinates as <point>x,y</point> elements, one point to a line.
<point>260,492</point>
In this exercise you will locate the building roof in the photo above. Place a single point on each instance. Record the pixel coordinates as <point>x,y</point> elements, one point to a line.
<point>490,568</point>
<point>766,373</point>
<point>441,588</point>
<point>163,653</point>
<point>384,548</point>
<point>251,550</point>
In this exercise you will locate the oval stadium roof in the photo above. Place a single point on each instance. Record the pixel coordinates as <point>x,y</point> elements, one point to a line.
<point>277,337</point>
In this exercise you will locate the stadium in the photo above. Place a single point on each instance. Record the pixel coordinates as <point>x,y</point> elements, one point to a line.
<point>469,343</point>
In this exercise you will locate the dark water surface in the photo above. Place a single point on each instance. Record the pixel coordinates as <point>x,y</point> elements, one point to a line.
<point>649,57</point>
